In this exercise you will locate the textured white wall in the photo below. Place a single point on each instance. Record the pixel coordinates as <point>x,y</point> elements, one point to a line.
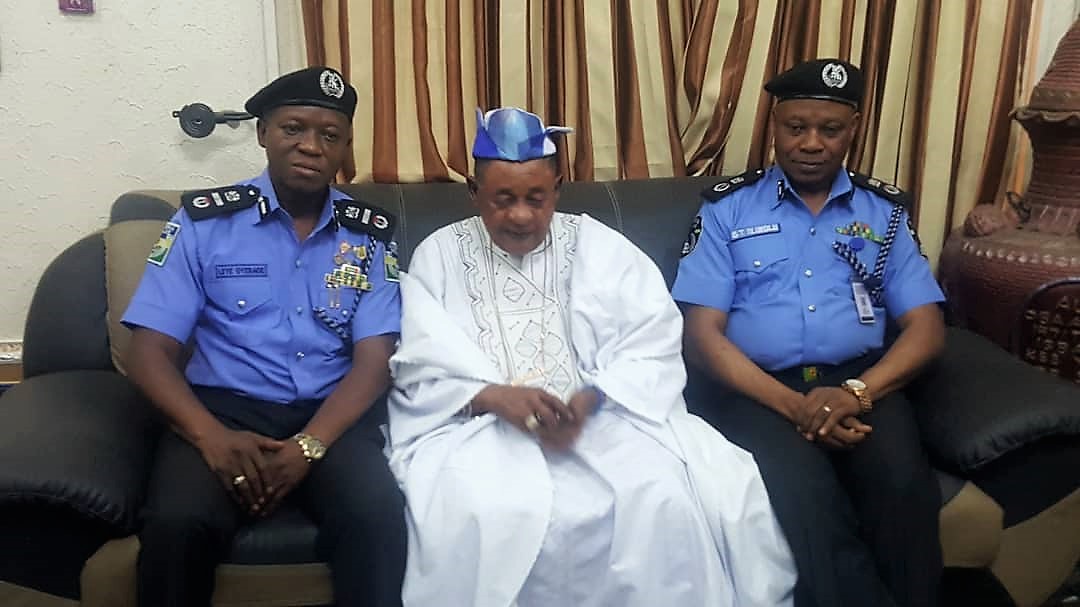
<point>85,115</point>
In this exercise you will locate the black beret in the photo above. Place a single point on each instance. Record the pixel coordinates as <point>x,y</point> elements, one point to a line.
<point>319,86</point>
<point>829,79</point>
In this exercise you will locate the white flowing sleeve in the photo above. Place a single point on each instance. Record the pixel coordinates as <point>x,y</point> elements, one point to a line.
<point>627,329</point>
<point>437,369</point>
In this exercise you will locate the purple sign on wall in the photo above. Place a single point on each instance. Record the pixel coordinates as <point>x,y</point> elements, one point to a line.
<point>77,6</point>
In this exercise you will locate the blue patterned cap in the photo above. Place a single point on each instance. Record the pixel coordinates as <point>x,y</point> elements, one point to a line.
<point>511,133</point>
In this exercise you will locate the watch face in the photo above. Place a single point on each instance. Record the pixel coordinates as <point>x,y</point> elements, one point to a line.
<point>315,448</point>
<point>855,384</point>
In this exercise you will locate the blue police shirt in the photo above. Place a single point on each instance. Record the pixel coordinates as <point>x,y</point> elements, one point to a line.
<point>243,287</point>
<point>766,260</point>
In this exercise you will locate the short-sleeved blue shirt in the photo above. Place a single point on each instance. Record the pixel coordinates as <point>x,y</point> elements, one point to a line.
<point>246,292</point>
<point>766,260</point>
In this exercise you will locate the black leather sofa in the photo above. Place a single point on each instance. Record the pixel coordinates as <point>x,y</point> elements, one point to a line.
<point>76,439</point>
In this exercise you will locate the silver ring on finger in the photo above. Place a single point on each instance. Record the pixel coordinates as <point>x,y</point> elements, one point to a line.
<point>826,408</point>
<point>532,422</point>
<point>238,480</point>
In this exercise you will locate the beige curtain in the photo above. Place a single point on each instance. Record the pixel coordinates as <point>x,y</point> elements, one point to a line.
<point>658,88</point>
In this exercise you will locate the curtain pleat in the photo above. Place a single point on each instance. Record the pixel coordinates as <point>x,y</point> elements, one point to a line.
<point>656,88</point>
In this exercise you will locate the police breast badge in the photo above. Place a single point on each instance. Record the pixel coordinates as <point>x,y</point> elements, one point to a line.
<point>344,284</point>
<point>350,272</point>
<point>859,232</point>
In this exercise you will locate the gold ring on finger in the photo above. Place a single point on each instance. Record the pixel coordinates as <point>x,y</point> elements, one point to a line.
<point>238,480</point>
<point>532,422</point>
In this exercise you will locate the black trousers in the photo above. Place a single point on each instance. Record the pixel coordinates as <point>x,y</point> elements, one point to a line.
<point>189,519</point>
<point>862,523</point>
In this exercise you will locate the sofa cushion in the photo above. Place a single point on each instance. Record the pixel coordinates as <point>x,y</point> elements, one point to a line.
<point>127,245</point>
<point>627,206</point>
<point>65,326</point>
<point>1039,553</point>
<point>284,538</point>
<point>13,595</point>
<point>977,403</point>
<point>970,528</point>
<point>145,204</point>
<point>51,545</point>
<point>272,563</point>
<point>657,214</point>
<point>79,441</point>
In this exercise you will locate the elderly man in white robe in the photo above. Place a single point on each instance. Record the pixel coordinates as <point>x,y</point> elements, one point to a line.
<point>537,423</point>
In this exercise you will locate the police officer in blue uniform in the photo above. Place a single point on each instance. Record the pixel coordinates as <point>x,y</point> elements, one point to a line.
<point>261,330</point>
<point>789,279</point>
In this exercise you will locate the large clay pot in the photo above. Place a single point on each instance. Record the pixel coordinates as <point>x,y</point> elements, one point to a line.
<point>1012,272</point>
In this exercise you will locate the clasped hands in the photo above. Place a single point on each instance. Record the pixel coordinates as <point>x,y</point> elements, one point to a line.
<point>828,415</point>
<point>257,471</point>
<point>554,423</point>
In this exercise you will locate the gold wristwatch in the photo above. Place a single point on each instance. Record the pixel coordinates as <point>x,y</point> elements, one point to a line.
<point>857,388</point>
<point>313,448</point>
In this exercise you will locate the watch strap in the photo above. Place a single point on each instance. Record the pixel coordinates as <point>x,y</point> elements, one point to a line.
<point>312,447</point>
<point>865,404</point>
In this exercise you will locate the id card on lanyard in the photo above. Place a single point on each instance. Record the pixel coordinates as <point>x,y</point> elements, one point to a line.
<point>863,305</point>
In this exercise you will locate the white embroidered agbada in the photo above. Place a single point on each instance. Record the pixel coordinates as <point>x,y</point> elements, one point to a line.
<point>650,507</point>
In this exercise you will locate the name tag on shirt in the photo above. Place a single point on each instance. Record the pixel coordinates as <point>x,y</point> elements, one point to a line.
<point>863,304</point>
<point>240,270</point>
<point>767,228</point>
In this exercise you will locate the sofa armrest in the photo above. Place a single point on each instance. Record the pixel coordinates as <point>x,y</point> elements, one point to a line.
<point>977,403</point>
<point>80,440</point>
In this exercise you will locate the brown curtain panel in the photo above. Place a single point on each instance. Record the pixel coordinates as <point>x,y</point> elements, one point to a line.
<point>657,88</point>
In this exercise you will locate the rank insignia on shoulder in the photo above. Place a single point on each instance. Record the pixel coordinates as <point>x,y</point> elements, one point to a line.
<point>160,252</point>
<point>202,204</point>
<point>358,216</point>
<point>886,190</point>
<point>731,184</point>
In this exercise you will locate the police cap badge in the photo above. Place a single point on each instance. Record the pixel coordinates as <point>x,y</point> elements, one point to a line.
<point>828,79</point>
<point>318,86</point>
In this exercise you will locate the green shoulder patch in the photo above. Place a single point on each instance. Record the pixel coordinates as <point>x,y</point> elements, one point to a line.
<point>731,184</point>
<point>393,272</point>
<point>364,218</point>
<point>203,204</point>
<point>887,191</point>
<point>160,252</point>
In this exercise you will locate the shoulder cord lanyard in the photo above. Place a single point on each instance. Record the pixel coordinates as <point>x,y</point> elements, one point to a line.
<point>343,329</point>
<point>874,282</point>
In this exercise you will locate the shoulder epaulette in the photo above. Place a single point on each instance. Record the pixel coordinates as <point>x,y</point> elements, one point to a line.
<point>202,204</point>
<point>731,184</point>
<point>886,190</point>
<point>359,216</point>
